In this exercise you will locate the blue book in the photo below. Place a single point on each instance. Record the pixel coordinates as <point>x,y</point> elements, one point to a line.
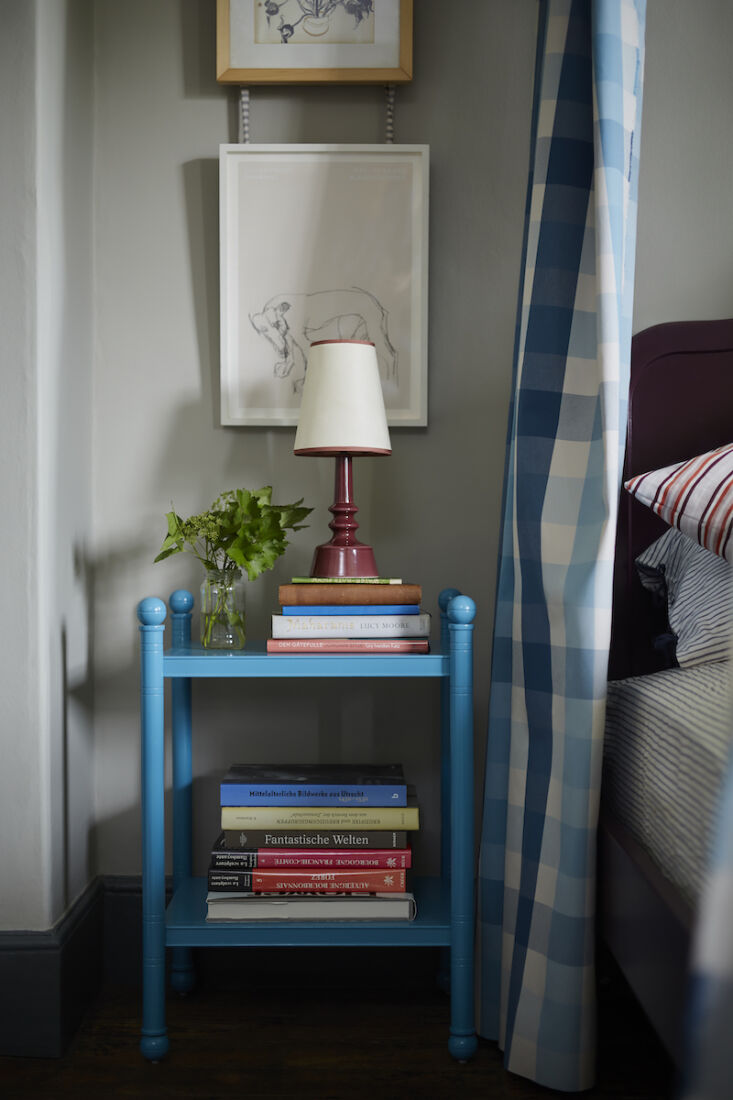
<point>353,609</point>
<point>314,785</point>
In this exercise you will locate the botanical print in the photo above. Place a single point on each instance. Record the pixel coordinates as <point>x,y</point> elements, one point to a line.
<point>291,322</point>
<point>314,21</point>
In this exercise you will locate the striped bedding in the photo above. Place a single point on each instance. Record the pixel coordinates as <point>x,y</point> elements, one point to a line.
<point>665,751</point>
<point>698,587</point>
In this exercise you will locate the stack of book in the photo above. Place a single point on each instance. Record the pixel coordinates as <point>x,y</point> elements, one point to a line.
<point>313,842</point>
<point>349,615</point>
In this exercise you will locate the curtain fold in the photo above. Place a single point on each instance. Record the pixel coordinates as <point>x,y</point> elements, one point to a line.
<point>553,608</point>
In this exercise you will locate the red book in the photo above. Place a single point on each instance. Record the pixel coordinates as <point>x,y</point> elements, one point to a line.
<point>293,881</point>
<point>316,859</point>
<point>348,645</point>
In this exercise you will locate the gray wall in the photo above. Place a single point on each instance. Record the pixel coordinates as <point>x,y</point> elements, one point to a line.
<point>684,252</point>
<point>431,510</point>
<point>109,227</point>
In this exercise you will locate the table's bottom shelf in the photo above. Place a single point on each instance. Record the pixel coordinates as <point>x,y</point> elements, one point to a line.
<point>186,924</point>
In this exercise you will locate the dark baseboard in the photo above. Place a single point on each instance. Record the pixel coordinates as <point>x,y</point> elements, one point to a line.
<point>123,924</point>
<point>48,980</point>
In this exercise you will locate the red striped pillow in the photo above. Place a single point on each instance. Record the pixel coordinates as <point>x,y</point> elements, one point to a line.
<point>696,496</point>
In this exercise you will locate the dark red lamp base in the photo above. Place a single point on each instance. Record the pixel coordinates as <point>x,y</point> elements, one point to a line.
<point>356,560</point>
<point>344,555</point>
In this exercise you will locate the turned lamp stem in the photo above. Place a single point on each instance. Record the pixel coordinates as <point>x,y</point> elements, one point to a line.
<point>344,555</point>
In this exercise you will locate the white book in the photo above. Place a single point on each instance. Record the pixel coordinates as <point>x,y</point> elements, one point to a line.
<point>351,626</point>
<point>239,907</point>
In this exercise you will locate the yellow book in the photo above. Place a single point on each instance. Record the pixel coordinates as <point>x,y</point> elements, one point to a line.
<point>320,817</point>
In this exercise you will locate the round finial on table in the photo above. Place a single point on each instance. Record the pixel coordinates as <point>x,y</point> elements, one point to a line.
<point>181,601</point>
<point>446,596</point>
<point>461,609</point>
<point>151,611</point>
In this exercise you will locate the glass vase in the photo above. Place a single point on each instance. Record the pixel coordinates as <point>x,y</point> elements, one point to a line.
<point>222,610</point>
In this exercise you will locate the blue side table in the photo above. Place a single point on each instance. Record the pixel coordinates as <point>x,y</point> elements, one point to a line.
<point>445,905</point>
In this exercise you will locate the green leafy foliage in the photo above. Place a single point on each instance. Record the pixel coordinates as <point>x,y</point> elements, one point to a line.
<point>242,529</point>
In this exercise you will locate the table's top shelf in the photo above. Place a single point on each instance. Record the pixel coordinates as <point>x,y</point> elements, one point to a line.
<point>186,659</point>
<point>254,660</point>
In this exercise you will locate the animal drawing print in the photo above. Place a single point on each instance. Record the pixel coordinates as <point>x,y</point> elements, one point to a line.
<point>292,322</point>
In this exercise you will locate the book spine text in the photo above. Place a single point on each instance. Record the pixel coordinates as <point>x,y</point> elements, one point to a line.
<point>320,794</point>
<point>351,626</point>
<point>334,817</point>
<point>233,840</point>
<point>311,858</point>
<point>294,881</point>
<point>348,645</point>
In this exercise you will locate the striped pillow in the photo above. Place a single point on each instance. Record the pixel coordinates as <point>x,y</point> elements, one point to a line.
<point>695,496</point>
<point>698,587</point>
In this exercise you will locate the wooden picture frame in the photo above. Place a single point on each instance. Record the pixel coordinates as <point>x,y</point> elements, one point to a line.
<point>291,42</point>
<point>321,242</point>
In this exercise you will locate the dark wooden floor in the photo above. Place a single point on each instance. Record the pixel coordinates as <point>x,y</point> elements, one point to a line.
<point>332,1039</point>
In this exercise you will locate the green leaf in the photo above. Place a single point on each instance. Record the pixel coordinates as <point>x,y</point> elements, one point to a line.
<point>167,553</point>
<point>174,523</point>
<point>241,528</point>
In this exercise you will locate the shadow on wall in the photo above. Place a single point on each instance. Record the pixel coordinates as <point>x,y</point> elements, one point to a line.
<point>201,197</point>
<point>76,727</point>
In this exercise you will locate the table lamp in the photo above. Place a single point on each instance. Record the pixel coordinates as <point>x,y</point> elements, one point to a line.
<point>342,414</point>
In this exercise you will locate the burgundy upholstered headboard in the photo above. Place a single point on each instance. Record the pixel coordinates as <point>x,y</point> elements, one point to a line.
<point>680,405</point>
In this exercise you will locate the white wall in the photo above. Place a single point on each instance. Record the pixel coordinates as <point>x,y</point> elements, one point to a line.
<point>20,721</point>
<point>45,425</point>
<point>65,323</point>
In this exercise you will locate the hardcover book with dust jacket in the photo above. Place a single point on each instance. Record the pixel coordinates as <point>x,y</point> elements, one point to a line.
<point>314,785</point>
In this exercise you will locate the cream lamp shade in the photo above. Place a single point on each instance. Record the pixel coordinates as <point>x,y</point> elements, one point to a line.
<point>342,408</point>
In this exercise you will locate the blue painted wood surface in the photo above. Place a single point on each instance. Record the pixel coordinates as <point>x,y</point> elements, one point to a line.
<point>183,977</point>
<point>445,905</point>
<point>462,1043</point>
<point>186,923</point>
<point>154,1041</point>
<point>254,661</point>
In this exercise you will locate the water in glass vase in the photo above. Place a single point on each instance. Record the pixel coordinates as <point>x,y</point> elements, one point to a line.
<point>222,610</point>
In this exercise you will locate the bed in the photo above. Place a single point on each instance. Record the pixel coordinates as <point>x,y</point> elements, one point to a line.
<point>667,727</point>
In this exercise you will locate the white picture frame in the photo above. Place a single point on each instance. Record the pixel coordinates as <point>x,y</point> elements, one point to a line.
<point>321,242</point>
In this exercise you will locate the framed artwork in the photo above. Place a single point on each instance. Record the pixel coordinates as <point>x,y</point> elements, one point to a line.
<point>313,41</point>
<point>321,242</point>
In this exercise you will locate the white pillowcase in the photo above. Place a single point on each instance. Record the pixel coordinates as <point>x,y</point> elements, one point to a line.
<point>699,591</point>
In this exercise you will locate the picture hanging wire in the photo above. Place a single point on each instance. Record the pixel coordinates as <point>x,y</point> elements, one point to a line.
<point>244,116</point>
<point>389,131</point>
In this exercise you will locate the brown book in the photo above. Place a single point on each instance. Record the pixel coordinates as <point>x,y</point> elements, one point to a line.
<point>344,594</point>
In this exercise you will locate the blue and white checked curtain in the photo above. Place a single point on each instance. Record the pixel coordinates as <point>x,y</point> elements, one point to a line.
<point>553,613</point>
